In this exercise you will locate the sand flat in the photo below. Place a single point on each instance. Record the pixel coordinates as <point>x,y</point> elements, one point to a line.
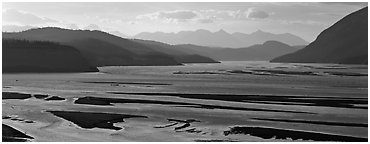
<point>279,102</point>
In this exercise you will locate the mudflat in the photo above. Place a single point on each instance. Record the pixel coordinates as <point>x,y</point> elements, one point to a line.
<point>238,101</point>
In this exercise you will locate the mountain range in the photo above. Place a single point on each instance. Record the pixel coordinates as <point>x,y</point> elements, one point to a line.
<point>99,48</point>
<point>345,42</point>
<point>258,52</point>
<point>176,51</point>
<point>221,38</point>
<point>103,49</point>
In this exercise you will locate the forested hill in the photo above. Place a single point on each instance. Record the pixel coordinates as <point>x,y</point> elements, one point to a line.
<point>35,56</point>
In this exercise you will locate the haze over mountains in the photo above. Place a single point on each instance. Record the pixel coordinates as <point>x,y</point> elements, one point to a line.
<point>200,37</point>
<point>221,38</point>
<point>345,42</point>
<point>258,52</point>
<point>103,49</point>
<point>176,51</point>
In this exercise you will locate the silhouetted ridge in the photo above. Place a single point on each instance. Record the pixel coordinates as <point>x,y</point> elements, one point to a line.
<point>37,56</point>
<point>345,42</point>
<point>103,49</point>
<point>178,55</point>
<point>220,38</point>
<point>262,52</point>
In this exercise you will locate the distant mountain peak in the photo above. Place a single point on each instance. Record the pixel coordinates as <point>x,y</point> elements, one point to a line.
<point>259,31</point>
<point>221,38</point>
<point>221,31</point>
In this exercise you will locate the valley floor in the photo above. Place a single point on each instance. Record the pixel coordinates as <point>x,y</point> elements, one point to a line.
<point>228,101</point>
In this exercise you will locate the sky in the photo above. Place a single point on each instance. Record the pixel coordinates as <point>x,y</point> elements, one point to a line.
<point>305,20</point>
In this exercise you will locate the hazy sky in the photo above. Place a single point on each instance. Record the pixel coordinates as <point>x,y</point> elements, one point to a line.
<point>306,20</point>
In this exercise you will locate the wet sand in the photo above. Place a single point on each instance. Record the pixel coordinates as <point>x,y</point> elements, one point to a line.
<point>12,95</point>
<point>365,125</point>
<point>90,120</point>
<point>271,99</point>
<point>268,133</point>
<point>123,83</point>
<point>54,98</point>
<point>108,101</point>
<point>142,106</point>
<point>12,135</point>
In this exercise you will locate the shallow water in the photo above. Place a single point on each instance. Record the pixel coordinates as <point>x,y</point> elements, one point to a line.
<point>297,91</point>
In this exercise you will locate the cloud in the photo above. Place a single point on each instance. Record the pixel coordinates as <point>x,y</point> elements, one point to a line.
<point>347,3</point>
<point>205,21</point>
<point>110,20</point>
<point>170,16</point>
<point>204,16</point>
<point>92,27</point>
<point>133,22</point>
<point>253,13</point>
<point>221,14</point>
<point>249,14</point>
<point>179,14</point>
<point>12,15</point>
<point>151,16</point>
